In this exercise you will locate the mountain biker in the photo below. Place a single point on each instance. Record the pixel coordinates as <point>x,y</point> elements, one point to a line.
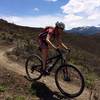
<point>45,41</point>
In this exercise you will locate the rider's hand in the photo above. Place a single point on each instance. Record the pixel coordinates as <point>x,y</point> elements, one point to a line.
<point>68,49</point>
<point>57,48</point>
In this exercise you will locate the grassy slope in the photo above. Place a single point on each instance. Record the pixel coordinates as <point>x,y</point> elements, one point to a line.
<point>85,49</point>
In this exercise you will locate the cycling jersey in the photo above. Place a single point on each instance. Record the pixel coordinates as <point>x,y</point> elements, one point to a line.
<point>42,36</point>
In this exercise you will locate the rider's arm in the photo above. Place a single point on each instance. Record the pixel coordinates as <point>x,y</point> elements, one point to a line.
<point>60,43</point>
<point>49,42</point>
<point>64,45</point>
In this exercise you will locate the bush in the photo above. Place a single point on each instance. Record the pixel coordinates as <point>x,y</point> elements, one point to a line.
<point>2,88</point>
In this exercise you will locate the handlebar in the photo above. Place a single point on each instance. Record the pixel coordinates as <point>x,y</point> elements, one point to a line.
<point>59,51</point>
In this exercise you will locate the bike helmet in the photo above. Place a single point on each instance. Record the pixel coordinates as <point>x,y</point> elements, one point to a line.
<point>60,25</point>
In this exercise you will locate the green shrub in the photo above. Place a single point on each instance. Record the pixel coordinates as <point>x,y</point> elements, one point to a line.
<point>19,98</point>
<point>2,88</point>
<point>16,98</point>
<point>90,79</point>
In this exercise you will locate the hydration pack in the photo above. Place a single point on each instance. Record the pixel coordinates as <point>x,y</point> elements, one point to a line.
<point>44,33</point>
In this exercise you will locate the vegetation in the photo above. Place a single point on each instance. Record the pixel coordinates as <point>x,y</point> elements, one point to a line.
<point>16,98</point>
<point>2,88</point>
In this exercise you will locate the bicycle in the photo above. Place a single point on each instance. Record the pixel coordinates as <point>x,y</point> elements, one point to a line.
<point>74,84</point>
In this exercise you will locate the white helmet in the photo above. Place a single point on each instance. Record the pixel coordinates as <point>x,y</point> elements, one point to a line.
<point>60,25</point>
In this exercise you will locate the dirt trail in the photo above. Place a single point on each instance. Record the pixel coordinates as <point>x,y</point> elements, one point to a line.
<point>8,63</point>
<point>49,81</point>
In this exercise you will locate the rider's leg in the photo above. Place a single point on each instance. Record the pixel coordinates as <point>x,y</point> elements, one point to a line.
<point>44,54</point>
<point>44,57</point>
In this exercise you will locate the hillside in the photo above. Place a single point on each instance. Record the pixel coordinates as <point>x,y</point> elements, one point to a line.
<point>89,43</point>
<point>11,32</point>
<point>84,49</point>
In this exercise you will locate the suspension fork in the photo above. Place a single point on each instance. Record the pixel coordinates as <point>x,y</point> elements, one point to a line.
<point>65,69</point>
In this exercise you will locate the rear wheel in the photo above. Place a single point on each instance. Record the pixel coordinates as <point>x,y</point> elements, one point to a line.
<point>69,81</point>
<point>33,67</point>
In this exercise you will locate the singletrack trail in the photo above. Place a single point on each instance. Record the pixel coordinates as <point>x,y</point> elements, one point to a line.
<point>19,69</point>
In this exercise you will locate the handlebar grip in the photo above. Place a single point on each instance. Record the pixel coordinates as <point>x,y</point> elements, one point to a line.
<point>69,50</point>
<point>59,51</point>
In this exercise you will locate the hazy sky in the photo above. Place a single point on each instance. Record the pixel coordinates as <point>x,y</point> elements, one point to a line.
<point>41,13</point>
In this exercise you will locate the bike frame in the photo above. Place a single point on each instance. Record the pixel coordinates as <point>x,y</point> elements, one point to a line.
<point>58,58</point>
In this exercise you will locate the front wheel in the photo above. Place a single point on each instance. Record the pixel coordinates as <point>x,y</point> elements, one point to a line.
<point>33,67</point>
<point>69,80</point>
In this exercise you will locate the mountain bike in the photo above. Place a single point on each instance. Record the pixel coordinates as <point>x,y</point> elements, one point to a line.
<point>68,78</point>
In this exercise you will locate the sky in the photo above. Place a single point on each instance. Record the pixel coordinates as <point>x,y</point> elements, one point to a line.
<point>42,13</point>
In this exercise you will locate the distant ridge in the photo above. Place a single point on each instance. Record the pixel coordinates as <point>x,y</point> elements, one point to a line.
<point>88,30</point>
